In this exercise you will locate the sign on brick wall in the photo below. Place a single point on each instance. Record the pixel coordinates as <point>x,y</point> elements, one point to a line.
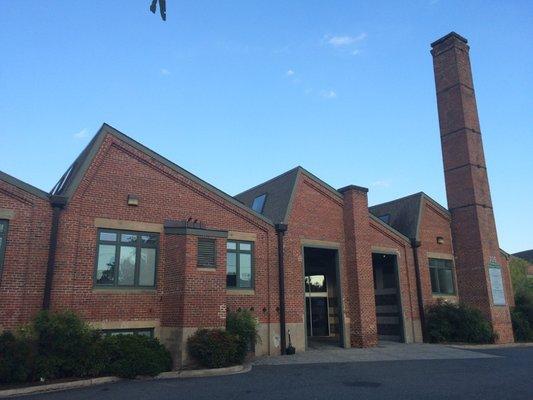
<point>496,283</point>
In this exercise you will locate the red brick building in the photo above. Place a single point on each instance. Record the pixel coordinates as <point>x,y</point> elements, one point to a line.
<point>133,242</point>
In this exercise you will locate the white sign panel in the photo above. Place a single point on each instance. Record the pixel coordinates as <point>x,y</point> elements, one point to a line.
<point>496,283</point>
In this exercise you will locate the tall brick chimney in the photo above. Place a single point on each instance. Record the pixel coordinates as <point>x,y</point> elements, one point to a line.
<point>482,272</point>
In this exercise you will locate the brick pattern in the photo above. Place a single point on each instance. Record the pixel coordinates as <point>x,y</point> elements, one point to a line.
<point>26,256</point>
<point>473,228</point>
<point>362,306</point>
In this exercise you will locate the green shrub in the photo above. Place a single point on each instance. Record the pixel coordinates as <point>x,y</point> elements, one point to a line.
<point>216,348</point>
<point>65,346</point>
<point>130,355</point>
<point>447,322</point>
<point>16,359</point>
<point>243,325</point>
<point>522,316</point>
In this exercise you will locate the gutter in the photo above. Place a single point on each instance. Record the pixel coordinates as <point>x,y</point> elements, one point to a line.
<point>57,203</point>
<point>280,231</point>
<point>415,244</point>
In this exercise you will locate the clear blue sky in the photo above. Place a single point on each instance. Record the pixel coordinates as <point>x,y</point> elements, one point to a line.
<point>240,91</point>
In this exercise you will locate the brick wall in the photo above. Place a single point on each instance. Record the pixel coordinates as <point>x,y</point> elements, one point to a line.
<point>25,260</point>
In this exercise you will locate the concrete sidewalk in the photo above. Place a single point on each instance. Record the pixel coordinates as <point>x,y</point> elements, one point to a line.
<point>385,351</point>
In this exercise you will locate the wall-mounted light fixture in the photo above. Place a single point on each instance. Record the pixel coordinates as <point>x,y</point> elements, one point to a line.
<point>440,240</point>
<point>133,200</point>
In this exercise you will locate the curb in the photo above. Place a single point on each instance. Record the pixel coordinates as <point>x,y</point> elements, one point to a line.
<point>201,373</point>
<point>491,346</point>
<point>57,386</point>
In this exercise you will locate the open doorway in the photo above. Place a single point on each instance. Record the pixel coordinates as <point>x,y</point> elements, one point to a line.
<point>322,306</point>
<point>387,295</point>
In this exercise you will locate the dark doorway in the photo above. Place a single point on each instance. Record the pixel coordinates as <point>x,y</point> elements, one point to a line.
<point>387,295</point>
<point>322,309</point>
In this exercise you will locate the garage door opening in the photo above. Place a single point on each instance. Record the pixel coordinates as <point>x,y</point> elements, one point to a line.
<point>322,308</point>
<point>387,295</point>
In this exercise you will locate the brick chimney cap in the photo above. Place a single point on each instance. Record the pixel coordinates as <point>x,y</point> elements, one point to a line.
<point>449,35</point>
<point>353,187</point>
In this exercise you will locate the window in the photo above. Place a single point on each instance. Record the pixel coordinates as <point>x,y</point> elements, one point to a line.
<point>385,218</point>
<point>239,273</point>
<point>149,332</point>
<point>126,259</point>
<point>206,253</point>
<point>441,272</point>
<point>3,238</point>
<point>259,203</point>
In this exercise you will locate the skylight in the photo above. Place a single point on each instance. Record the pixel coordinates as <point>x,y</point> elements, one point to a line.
<point>259,203</point>
<point>385,218</point>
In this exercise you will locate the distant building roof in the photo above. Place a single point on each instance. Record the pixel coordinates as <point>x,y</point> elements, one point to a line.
<point>525,255</point>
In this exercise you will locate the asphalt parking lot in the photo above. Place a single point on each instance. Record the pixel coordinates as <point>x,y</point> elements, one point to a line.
<point>505,373</point>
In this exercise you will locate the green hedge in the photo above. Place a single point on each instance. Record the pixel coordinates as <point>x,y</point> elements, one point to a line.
<point>448,322</point>
<point>522,316</point>
<point>61,345</point>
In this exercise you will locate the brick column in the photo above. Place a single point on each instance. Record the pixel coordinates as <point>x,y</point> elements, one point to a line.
<point>473,227</point>
<point>359,274</point>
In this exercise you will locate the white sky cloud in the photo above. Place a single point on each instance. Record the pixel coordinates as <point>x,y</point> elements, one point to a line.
<point>81,134</point>
<point>165,71</point>
<point>344,41</point>
<point>381,184</point>
<point>329,94</point>
<point>290,72</point>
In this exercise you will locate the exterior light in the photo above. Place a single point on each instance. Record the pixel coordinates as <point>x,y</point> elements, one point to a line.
<point>440,240</point>
<point>133,200</point>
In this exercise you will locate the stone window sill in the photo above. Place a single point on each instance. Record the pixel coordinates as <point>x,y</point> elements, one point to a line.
<point>240,292</point>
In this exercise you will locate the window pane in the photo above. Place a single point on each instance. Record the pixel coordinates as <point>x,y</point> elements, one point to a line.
<point>231,245</point>
<point>446,281</point>
<point>245,270</point>
<point>108,236</point>
<point>2,227</point>
<point>149,240</point>
<point>105,272</point>
<point>126,270</point>
<point>434,280</point>
<point>245,246</point>
<point>258,203</point>
<point>231,269</point>
<point>147,267</point>
<point>127,238</point>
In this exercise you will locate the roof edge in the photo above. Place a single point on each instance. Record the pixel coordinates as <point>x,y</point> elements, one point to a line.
<point>24,186</point>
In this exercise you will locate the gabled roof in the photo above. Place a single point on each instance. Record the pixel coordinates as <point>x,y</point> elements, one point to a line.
<point>23,185</point>
<point>525,255</point>
<point>404,214</point>
<point>69,182</point>
<point>280,193</point>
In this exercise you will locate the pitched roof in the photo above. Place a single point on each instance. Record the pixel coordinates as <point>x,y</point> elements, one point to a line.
<point>280,193</point>
<point>70,180</point>
<point>525,255</point>
<point>404,214</point>
<point>23,185</point>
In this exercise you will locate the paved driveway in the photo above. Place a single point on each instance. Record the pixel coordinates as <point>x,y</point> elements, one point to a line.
<point>385,351</point>
<point>492,374</point>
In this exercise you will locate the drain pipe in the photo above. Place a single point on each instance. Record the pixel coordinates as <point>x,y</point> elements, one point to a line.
<point>280,231</point>
<point>415,244</point>
<point>57,203</point>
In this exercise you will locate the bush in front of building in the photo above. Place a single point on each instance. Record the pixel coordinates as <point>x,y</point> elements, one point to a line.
<point>65,346</point>
<point>128,356</point>
<point>61,345</point>
<point>522,316</point>
<point>216,348</point>
<point>244,325</point>
<point>457,323</point>
<point>16,359</point>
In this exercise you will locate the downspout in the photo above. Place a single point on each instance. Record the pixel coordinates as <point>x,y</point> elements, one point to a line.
<point>415,244</point>
<point>57,203</point>
<point>280,231</point>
